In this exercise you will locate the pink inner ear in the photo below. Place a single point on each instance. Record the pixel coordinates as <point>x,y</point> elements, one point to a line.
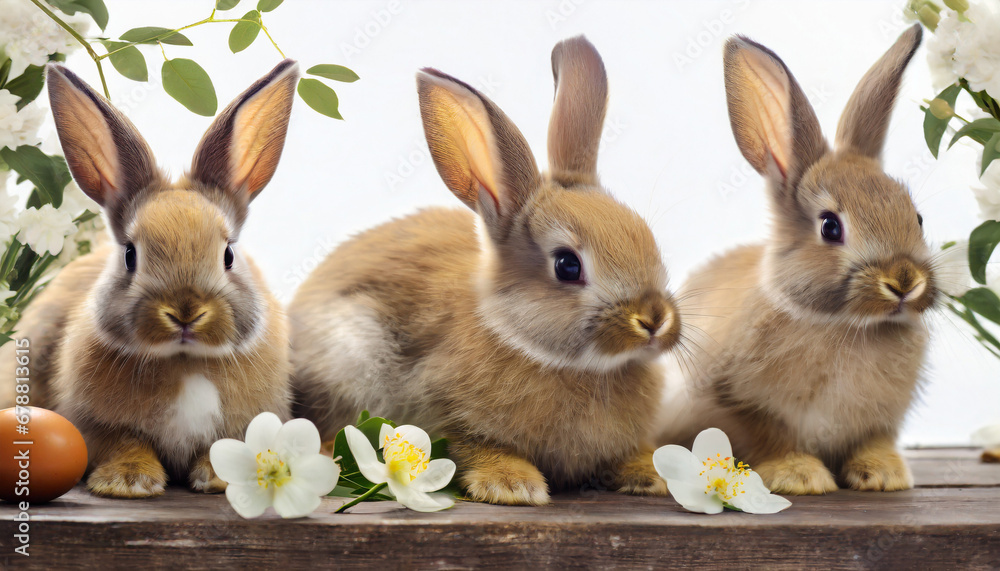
<point>771,88</point>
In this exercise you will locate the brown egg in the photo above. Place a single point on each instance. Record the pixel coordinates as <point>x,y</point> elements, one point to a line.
<point>42,464</point>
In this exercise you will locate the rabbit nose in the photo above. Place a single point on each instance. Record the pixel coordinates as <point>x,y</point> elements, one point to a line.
<point>184,321</point>
<point>907,283</point>
<point>648,324</point>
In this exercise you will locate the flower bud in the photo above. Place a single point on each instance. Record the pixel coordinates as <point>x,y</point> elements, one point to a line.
<point>928,17</point>
<point>957,5</point>
<point>940,109</point>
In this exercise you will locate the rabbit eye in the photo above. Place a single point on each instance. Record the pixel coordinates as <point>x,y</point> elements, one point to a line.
<point>227,258</point>
<point>568,266</point>
<point>831,229</point>
<point>920,220</point>
<point>130,257</point>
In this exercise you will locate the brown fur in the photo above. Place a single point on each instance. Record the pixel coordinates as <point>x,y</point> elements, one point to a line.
<point>535,381</point>
<point>812,349</point>
<point>126,353</point>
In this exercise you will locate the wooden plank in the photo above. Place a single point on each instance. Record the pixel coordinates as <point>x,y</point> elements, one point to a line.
<point>952,468</point>
<point>936,527</point>
<point>952,520</point>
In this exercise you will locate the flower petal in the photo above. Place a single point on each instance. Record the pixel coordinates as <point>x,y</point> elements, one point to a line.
<point>262,431</point>
<point>233,461</point>
<point>386,430</point>
<point>297,437</point>
<point>766,503</point>
<point>249,500</point>
<point>710,443</point>
<point>364,455</point>
<point>293,500</point>
<point>987,436</point>
<point>693,497</point>
<point>415,436</point>
<point>314,472</point>
<point>674,462</point>
<point>437,475</point>
<point>419,501</point>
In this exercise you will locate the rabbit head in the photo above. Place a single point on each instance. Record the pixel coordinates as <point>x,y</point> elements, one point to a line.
<point>847,242</point>
<point>568,274</point>
<point>177,282</point>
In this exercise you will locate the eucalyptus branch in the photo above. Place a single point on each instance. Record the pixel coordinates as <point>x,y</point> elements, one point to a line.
<point>83,41</point>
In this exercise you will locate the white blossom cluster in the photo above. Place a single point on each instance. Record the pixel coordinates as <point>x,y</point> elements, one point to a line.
<point>29,37</point>
<point>966,46</point>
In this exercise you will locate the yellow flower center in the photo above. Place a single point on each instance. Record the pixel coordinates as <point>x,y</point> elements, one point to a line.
<point>725,477</point>
<point>271,470</point>
<point>404,460</point>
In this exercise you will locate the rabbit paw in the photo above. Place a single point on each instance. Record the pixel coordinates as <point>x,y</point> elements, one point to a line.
<point>202,477</point>
<point>797,475</point>
<point>503,479</point>
<point>877,469</point>
<point>138,475</point>
<point>639,477</point>
<point>991,456</point>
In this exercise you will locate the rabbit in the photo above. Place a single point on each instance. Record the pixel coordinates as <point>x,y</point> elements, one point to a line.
<point>524,328</point>
<point>168,338</point>
<point>814,341</point>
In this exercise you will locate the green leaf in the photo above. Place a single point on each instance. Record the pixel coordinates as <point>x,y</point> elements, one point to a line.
<point>439,448</point>
<point>50,175</point>
<point>991,150</point>
<point>148,35</point>
<point>934,128</point>
<point>4,72</point>
<point>268,5</point>
<point>128,60</point>
<point>365,415</point>
<point>189,84</point>
<point>370,426</point>
<point>320,97</point>
<point>226,4</point>
<point>979,130</point>
<point>982,242</point>
<point>244,33</point>
<point>334,72</point>
<point>28,85</point>
<point>96,8</point>
<point>984,302</point>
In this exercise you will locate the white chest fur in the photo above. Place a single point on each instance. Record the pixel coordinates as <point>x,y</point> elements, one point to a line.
<point>192,421</point>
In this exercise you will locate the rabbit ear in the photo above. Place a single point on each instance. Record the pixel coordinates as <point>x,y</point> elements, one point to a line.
<point>479,153</point>
<point>865,121</point>
<point>581,101</point>
<point>774,124</point>
<point>106,154</point>
<point>239,153</point>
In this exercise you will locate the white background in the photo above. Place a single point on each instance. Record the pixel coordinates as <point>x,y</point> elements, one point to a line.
<point>668,149</point>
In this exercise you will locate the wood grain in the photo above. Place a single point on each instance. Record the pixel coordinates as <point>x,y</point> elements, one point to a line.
<point>952,519</point>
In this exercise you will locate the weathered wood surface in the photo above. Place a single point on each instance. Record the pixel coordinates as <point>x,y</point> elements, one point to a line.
<point>951,520</point>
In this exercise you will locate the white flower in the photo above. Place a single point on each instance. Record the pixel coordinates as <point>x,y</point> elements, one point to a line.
<point>967,47</point>
<point>278,465</point>
<point>408,470</point>
<point>45,229</point>
<point>28,36</point>
<point>18,127</point>
<point>988,195</point>
<point>987,437</point>
<point>8,211</point>
<point>707,479</point>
